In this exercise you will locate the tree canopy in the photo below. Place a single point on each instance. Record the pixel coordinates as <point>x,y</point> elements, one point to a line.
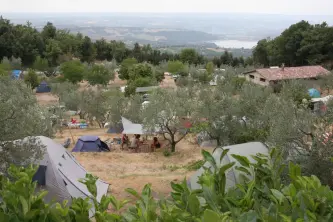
<point>300,44</point>
<point>20,117</point>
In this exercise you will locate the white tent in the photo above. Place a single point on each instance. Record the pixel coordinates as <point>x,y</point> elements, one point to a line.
<point>59,173</point>
<point>246,149</point>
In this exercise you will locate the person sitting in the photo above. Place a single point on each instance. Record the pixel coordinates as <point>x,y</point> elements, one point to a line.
<point>156,144</point>
<point>124,141</point>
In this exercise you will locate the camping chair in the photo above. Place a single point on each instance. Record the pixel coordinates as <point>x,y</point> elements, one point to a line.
<point>145,148</point>
<point>67,143</point>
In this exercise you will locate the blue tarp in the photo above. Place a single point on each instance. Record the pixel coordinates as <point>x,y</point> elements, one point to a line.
<point>90,144</point>
<point>43,88</point>
<point>16,74</point>
<point>314,93</point>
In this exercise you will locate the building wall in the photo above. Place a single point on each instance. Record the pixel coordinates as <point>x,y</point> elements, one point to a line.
<point>257,79</point>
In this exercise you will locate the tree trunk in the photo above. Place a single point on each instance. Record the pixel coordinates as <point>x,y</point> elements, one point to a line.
<point>173,147</point>
<point>81,115</point>
<point>218,142</point>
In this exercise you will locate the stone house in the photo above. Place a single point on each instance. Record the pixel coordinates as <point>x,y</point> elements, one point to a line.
<point>274,75</point>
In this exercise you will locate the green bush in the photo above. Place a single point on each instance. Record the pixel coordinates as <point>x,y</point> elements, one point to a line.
<point>260,197</point>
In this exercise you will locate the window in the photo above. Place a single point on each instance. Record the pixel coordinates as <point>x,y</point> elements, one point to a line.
<point>251,76</point>
<point>262,80</point>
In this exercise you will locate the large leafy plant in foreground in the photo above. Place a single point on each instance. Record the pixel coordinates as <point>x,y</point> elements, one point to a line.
<point>260,196</point>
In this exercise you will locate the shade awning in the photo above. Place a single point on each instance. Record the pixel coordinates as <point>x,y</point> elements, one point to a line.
<point>133,129</point>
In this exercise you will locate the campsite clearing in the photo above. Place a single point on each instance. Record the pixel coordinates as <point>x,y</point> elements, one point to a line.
<point>123,169</point>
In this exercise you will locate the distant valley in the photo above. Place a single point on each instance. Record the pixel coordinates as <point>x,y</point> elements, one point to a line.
<point>210,34</point>
<point>154,36</point>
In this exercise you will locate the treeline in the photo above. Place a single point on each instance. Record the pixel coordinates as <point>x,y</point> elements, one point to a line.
<point>228,59</point>
<point>58,46</point>
<point>301,44</point>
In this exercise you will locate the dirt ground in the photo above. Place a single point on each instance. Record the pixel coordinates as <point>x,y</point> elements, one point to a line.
<point>46,99</point>
<point>168,82</point>
<point>124,169</point>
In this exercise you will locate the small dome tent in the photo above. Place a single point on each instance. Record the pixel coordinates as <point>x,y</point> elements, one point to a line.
<point>43,88</point>
<point>90,144</point>
<point>314,93</point>
<point>232,176</point>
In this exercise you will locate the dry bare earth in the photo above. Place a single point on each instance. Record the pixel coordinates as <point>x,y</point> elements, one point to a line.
<point>123,169</point>
<point>168,82</point>
<point>46,99</point>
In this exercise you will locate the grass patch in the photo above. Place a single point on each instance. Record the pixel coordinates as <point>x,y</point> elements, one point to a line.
<point>192,166</point>
<point>195,165</point>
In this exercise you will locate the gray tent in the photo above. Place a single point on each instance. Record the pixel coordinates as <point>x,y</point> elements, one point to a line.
<point>246,149</point>
<point>59,173</point>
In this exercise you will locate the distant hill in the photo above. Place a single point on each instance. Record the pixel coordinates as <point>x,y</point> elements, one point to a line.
<point>153,36</point>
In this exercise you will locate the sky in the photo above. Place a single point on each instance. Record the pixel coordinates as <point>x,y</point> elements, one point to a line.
<point>292,7</point>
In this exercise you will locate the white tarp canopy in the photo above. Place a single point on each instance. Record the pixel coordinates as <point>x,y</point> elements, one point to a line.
<point>131,128</point>
<point>232,176</point>
<point>323,99</point>
<point>61,173</point>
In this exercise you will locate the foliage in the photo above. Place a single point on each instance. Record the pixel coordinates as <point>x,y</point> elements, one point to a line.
<point>141,75</point>
<point>31,79</point>
<point>210,68</point>
<point>40,64</point>
<point>92,104</point>
<point>98,75</point>
<point>20,202</point>
<point>72,71</point>
<point>166,111</point>
<point>205,77</point>
<point>300,44</point>
<point>326,82</point>
<point>257,195</point>
<point>125,67</point>
<point>166,153</point>
<point>190,56</point>
<point>296,91</point>
<point>20,117</point>
<point>175,66</point>
<point>61,45</point>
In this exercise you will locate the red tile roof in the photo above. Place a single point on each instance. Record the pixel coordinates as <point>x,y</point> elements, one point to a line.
<point>302,72</point>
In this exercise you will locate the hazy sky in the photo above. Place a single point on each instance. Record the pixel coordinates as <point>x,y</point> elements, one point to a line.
<point>302,7</point>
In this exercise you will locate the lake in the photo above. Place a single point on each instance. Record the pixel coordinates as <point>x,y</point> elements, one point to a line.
<point>235,44</point>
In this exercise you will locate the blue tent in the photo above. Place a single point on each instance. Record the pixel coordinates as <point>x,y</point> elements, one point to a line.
<point>16,74</point>
<point>314,93</point>
<point>43,88</point>
<point>90,144</point>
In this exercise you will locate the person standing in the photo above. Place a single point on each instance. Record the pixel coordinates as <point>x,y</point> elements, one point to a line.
<point>124,141</point>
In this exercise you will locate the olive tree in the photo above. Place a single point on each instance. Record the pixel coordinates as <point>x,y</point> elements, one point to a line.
<point>214,113</point>
<point>20,117</point>
<point>166,111</point>
<point>98,75</point>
